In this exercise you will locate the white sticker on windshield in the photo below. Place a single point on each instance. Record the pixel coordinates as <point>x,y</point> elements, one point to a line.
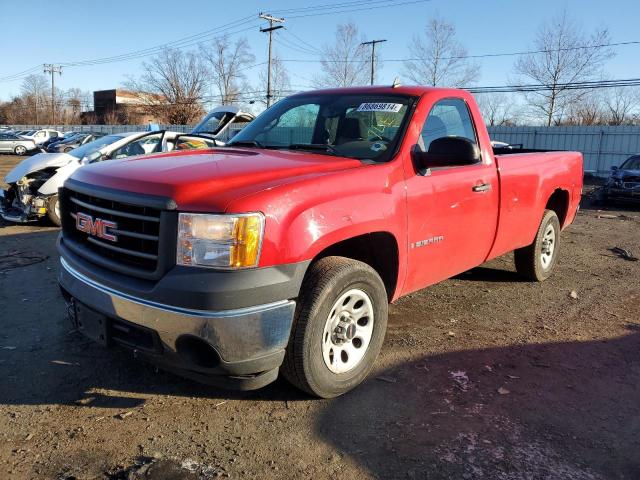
<point>380,107</point>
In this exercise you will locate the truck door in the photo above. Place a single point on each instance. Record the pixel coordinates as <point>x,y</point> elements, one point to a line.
<point>452,209</point>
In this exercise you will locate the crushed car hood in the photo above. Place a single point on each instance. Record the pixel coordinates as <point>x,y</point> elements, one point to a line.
<point>207,180</point>
<point>36,163</point>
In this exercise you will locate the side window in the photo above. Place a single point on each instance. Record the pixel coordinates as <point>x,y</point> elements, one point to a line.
<point>41,134</point>
<point>448,118</point>
<point>141,146</point>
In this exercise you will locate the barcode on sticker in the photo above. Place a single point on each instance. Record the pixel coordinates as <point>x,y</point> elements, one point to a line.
<point>380,107</point>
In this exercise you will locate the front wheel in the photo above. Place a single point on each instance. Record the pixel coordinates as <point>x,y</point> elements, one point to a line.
<point>538,260</point>
<point>338,329</point>
<point>53,210</point>
<point>20,150</point>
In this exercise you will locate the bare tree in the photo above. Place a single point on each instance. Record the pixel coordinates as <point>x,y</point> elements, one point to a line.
<point>345,62</point>
<point>621,104</point>
<point>280,82</point>
<point>497,108</point>
<point>226,62</point>
<point>35,89</point>
<point>172,86</point>
<point>565,55</point>
<point>439,58</point>
<point>588,109</point>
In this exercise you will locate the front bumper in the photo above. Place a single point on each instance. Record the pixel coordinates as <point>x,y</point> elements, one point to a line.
<point>21,215</point>
<point>623,194</point>
<point>248,343</point>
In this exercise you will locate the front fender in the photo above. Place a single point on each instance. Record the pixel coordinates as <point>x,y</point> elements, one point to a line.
<point>52,185</point>
<point>307,216</point>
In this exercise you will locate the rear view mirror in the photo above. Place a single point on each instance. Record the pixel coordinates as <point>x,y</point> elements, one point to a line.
<point>447,152</point>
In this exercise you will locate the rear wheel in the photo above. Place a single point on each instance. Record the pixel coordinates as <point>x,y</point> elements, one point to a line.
<point>538,260</point>
<point>20,150</point>
<point>339,327</point>
<point>53,210</point>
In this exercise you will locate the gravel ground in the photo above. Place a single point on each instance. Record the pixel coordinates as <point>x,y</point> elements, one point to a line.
<point>481,376</point>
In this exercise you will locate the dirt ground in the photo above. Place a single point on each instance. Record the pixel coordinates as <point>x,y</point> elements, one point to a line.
<point>483,376</point>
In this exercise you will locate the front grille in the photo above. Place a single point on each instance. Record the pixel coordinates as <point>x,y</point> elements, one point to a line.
<point>138,231</point>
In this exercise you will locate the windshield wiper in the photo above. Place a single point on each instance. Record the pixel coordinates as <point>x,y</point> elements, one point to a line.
<point>313,146</point>
<point>246,143</point>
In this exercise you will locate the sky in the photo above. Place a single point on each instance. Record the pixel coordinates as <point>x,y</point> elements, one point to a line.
<point>84,30</point>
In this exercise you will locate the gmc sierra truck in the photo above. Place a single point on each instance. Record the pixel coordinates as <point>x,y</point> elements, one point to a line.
<point>281,251</point>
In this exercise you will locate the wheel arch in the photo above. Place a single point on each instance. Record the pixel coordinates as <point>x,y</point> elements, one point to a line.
<point>377,249</point>
<point>559,201</point>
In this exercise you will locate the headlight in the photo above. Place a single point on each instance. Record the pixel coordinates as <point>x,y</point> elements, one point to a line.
<point>220,241</point>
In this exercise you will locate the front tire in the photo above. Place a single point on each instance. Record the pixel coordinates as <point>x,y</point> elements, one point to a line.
<point>538,260</point>
<point>53,210</point>
<point>338,329</point>
<point>20,150</point>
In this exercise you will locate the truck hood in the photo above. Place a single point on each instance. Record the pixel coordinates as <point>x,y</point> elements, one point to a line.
<point>207,180</point>
<point>38,162</point>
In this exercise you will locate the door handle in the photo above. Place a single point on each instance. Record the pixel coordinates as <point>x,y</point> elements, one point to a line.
<point>483,187</point>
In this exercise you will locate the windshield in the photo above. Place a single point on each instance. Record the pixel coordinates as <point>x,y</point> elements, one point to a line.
<point>362,126</point>
<point>76,137</point>
<point>29,132</point>
<point>91,147</point>
<point>632,163</point>
<point>211,123</point>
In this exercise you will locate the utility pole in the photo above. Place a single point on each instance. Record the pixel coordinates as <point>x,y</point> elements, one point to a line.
<point>270,30</point>
<point>53,69</point>
<point>373,55</point>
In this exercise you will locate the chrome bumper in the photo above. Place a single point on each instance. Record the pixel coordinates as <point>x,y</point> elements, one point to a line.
<point>242,337</point>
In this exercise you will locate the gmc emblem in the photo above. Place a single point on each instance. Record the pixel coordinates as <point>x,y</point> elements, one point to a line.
<point>96,227</point>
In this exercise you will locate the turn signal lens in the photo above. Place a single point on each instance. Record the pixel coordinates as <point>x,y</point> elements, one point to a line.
<point>220,241</point>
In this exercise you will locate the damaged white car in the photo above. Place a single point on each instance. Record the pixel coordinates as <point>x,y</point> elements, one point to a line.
<point>33,184</point>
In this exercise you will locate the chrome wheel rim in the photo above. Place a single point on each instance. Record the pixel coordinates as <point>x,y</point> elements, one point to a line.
<point>347,331</point>
<point>548,246</point>
<point>20,150</point>
<point>56,209</point>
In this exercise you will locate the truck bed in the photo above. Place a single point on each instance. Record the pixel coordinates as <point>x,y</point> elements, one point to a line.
<point>524,192</point>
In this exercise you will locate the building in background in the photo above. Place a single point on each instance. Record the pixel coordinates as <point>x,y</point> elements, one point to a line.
<point>119,106</point>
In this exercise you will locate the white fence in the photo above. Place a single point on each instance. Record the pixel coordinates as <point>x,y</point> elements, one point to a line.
<point>601,146</point>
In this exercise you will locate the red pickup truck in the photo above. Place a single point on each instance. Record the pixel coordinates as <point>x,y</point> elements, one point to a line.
<point>281,251</point>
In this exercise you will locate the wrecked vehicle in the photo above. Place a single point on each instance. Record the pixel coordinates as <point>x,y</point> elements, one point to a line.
<point>623,183</point>
<point>279,253</point>
<point>34,183</point>
<point>223,122</point>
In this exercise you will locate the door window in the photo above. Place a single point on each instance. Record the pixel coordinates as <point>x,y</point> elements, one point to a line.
<point>141,146</point>
<point>448,118</point>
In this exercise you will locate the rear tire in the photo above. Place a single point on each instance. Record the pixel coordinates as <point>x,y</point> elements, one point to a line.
<point>538,260</point>
<point>53,210</point>
<point>342,308</point>
<point>20,150</point>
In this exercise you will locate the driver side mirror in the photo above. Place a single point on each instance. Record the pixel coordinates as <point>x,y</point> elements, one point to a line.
<point>614,168</point>
<point>92,157</point>
<point>447,152</point>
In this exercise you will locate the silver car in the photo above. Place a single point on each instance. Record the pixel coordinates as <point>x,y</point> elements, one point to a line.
<point>9,142</point>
